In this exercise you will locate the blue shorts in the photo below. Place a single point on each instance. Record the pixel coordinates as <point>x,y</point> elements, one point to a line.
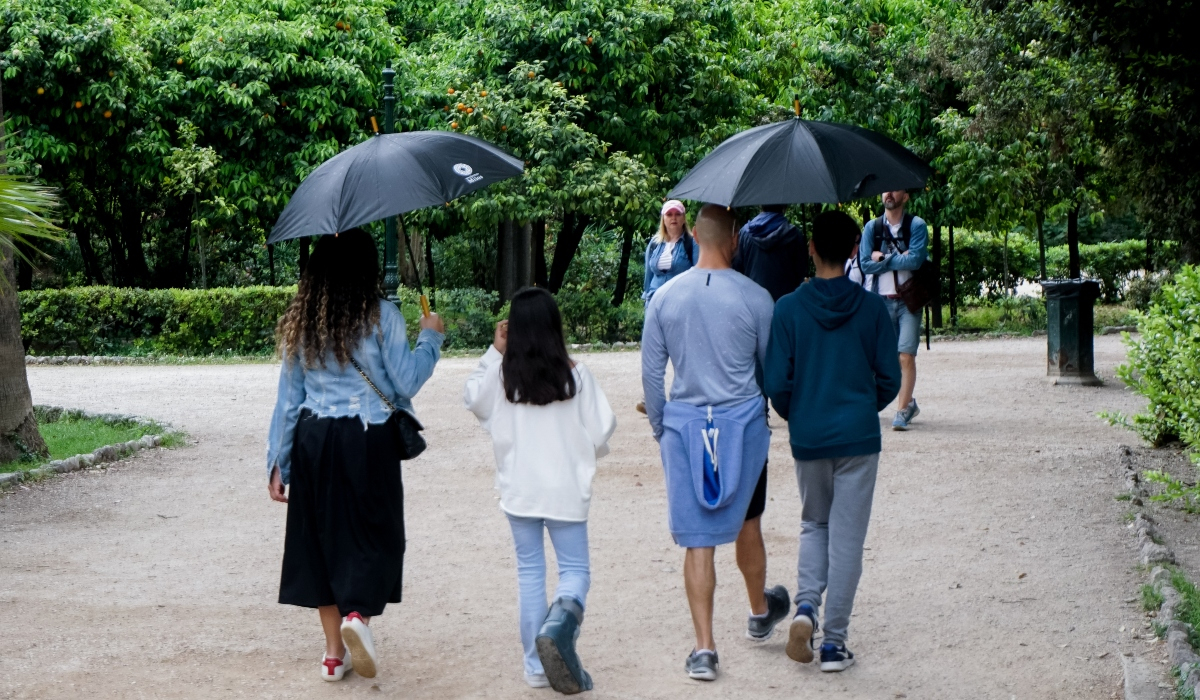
<point>906,324</point>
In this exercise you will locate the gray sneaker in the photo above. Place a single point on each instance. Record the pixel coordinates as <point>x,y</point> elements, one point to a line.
<point>760,629</point>
<point>905,415</point>
<point>702,665</point>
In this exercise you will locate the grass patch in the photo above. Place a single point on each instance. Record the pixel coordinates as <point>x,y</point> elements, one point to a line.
<point>1123,497</point>
<point>1188,609</point>
<point>73,435</point>
<point>1024,316</point>
<point>1151,599</point>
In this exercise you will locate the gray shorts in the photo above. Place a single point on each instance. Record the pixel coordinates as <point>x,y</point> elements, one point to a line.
<point>906,324</point>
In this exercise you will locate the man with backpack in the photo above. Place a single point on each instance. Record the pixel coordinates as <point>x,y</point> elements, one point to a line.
<point>893,250</point>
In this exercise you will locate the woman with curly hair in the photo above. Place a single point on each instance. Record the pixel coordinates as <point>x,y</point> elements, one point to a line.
<point>331,443</point>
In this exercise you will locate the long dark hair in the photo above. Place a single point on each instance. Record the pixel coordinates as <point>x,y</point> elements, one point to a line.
<point>536,368</point>
<point>337,302</point>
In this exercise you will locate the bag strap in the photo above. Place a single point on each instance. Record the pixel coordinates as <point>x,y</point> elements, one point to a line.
<point>386,401</point>
<point>687,245</point>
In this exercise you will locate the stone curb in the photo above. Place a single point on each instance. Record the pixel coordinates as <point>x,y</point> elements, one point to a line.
<point>1177,633</point>
<point>101,455</point>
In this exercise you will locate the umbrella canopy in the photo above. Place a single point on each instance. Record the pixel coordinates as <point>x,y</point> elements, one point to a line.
<point>799,161</point>
<point>390,174</point>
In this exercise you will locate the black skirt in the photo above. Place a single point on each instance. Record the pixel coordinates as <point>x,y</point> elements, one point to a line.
<point>345,522</point>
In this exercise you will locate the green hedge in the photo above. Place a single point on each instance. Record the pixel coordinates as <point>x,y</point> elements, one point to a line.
<point>241,321</point>
<point>118,321</point>
<point>1164,363</point>
<point>979,264</point>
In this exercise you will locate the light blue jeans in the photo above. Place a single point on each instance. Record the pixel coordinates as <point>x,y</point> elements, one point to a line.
<point>570,542</point>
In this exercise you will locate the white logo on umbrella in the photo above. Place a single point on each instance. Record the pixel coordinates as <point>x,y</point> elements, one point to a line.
<point>463,169</point>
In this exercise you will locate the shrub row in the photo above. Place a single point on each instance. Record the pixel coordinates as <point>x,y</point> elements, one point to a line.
<point>979,264</point>
<point>241,321</point>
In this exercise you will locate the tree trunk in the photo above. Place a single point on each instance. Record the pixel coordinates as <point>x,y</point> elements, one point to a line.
<point>132,225</point>
<point>19,434</point>
<point>409,270</point>
<point>523,248</point>
<point>953,278</point>
<point>271,261</point>
<point>1073,242</point>
<point>623,270</point>
<point>91,262</point>
<point>1041,220</point>
<point>1007,286</point>
<point>506,259</point>
<point>568,243</point>
<point>538,243</point>
<point>937,265</point>
<point>303,259</point>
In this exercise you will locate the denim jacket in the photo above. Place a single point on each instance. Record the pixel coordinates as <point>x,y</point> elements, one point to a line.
<point>334,391</point>
<point>680,262</point>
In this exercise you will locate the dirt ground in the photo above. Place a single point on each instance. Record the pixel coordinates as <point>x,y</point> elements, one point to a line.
<point>997,565</point>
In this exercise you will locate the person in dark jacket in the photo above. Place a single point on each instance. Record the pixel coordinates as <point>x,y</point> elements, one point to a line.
<point>831,367</point>
<point>772,252</point>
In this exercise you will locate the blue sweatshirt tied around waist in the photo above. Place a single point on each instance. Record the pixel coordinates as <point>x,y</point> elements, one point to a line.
<point>831,367</point>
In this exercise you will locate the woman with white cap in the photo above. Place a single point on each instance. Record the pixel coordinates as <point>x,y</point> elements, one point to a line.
<point>670,251</point>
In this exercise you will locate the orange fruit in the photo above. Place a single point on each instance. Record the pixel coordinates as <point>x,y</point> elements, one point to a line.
<point>111,74</point>
<point>41,91</point>
<point>470,110</point>
<point>461,107</point>
<point>453,125</point>
<point>233,85</point>
<point>589,41</point>
<point>450,91</point>
<point>531,74</point>
<point>483,93</point>
<point>339,25</point>
<point>108,114</point>
<point>78,104</point>
<point>504,128</point>
<point>446,108</point>
<point>179,61</point>
<point>221,39</point>
<point>283,103</point>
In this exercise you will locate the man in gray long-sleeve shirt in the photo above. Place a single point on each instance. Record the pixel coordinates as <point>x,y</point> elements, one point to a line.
<point>713,324</point>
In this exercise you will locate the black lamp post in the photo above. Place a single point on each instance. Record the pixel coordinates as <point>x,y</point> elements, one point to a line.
<point>391,249</point>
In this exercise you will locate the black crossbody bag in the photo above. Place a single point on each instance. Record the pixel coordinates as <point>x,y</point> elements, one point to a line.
<point>409,442</point>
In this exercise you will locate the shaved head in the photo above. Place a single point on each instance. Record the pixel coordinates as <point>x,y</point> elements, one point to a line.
<point>715,226</point>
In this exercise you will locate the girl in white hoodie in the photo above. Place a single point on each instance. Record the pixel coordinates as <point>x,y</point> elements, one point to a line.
<point>549,421</point>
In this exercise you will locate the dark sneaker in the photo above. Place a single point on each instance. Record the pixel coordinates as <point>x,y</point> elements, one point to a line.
<point>913,410</point>
<point>556,648</point>
<point>835,657</point>
<point>800,634</point>
<point>760,629</point>
<point>702,665</point>
<point>905,415</point>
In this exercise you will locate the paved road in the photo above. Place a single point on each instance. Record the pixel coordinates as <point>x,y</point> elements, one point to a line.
<point>997,565</point>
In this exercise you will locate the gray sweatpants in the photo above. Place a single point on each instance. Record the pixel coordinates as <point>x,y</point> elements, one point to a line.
<point>837,495</point>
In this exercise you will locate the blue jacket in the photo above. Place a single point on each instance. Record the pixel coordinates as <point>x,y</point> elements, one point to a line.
<point>680,262</point>
<point>742,447</point>
<point>831,368</point>
<point>893,261</point>
<point>335,391</point>
<point>773,253</point>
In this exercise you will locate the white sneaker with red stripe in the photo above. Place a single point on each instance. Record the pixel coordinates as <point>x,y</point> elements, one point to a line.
<point>357,637</point>
<point>333,668</point>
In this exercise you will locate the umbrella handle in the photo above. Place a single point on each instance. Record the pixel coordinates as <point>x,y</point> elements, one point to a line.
<point>425,306</point>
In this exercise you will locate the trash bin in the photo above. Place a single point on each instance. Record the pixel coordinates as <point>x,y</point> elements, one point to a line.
<point>1069,327</point>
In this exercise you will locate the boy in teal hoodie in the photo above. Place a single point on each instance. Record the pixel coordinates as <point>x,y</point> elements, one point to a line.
<point>831,367</point>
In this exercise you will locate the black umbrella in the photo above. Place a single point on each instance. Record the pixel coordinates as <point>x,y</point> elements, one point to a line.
<point>799,161</point>
<point>390,174</point>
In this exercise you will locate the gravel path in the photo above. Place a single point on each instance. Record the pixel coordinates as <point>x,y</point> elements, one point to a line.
<point>997,567</point>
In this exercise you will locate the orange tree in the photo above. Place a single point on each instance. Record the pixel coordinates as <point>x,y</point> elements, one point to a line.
<point>657,83</point>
